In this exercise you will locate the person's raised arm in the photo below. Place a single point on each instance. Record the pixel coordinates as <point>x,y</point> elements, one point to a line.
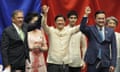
<point>44,24</point>
<point>87,11</point>
<point>83,26</point>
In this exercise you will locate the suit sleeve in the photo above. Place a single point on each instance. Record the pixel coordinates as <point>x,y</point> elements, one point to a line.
<point>114,50</point>
<point>83,27</point>
<point>4,48</point>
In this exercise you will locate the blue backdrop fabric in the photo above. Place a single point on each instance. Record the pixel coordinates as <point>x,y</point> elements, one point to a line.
<point>8,6</point>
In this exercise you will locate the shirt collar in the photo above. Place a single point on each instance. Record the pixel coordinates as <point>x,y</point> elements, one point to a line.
<point>16,27</point>
<point>99,28</point>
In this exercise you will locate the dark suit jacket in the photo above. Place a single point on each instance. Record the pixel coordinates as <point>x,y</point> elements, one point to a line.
<point>94,43</point>
<point>14,50</point>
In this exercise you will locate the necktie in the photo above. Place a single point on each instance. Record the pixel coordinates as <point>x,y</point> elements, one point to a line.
<point>101,37</point>
<point>21,34</point>
<point>101,34</point>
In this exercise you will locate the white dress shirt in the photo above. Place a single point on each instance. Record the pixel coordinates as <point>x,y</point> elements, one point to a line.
<point>103,32</point>
<point>58,52</point>
<point>118,43</point>
<point>19,31</point>
<point>77,46</point>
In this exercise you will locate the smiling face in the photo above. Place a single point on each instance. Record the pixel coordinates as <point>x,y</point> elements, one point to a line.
<point>60,23</point>
<point>112,24</point>
<point>100,19</point>
<point>18,18</point>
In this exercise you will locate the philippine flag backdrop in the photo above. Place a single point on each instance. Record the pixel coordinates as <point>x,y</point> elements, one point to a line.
<point>111,7</point>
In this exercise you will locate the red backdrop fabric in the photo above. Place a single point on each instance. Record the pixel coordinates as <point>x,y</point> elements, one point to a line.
<point>111,7</point>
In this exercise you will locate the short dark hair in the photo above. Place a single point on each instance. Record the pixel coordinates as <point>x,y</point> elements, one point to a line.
<point>99,12</point>
<point>72,12</point>
<point>59,15</point>
<point>30,16</point>
<point>15,12</point>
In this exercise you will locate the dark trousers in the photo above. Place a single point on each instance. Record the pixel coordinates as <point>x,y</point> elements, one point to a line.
<point>57,67</point>
<point>21,69</point>
<point>96,67</point>
<point>74,69</point>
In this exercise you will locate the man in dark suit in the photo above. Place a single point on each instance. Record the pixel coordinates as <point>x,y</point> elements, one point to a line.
<point>100,40</point>
<point>14,43</point>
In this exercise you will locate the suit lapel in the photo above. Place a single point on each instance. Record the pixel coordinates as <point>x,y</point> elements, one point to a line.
<point>96,34</point>
<point>106,33</point>
<point>25,32</point>
<point>15,33</point>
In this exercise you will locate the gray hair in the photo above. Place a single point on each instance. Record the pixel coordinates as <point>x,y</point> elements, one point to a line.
<point>15,12</point>
<point>112,18</point>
